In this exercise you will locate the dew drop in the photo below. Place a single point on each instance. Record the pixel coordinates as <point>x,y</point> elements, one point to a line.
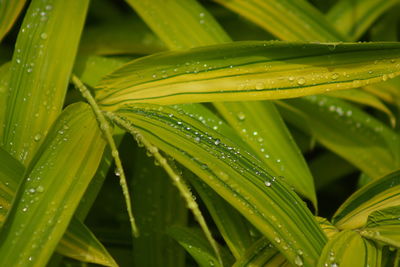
<point>37,137</point>
<point>217,142</point>
<point>43,36</point>
<point>298,261</point>
<point>241,116</point>
<point>335,76</point>
<point>301,81</point>
<point>268,184</point>
<point>40,189</point>
<point>384,78</point>
<point>277,240</point>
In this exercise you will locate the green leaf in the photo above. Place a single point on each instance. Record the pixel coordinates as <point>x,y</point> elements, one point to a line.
<point>261,253</point>
<point>79,243</point>
<point>248,71</point>
<point>192,30</point>
<point>42,200</point>
<point>353,18</point>
<point>329,229</point>
<point>348,248</point>
<point>4,77</point>
<point>288,20</point>
<point>377,195</point>
<point>208,31</point>
<point>267,202</point>
<point>362,131</point>
<point>9,11</point>
<point>233,227</point>
<point>40,69</point>
<point>196,245</point>
<point>132,37</point>
<point>154,200</point>
<point>384,226</point>
<point>272,145</point>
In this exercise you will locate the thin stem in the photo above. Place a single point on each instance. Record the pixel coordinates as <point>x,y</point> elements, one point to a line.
<point>176,179</point>
<point>105,128</point>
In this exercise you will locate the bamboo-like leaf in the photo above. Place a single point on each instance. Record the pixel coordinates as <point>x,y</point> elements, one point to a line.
<point>40,69</point>
<point>329,229</point>
<point>233,227</point>
<point>364,98</point>
<point>197,246</point>
<point>281,16</point>
<point>384,226</point>
<point>270,143</point>
<point>80,244</point>
<point>42,201</point>
<point>362,130</point>
<point>9,11</point>
<point>348,248</point>
<point>77,242</point>
<point>4,77</point>
<point>264,200</point>
<point>377,195</point>
<point>154,200</point>
<point>385,29</point>
<point>249,71</point>
<point>353,18</point>
<point>132,37</point>
<point>388,91</point>
<point>208,31</point>
<point>259,254</point>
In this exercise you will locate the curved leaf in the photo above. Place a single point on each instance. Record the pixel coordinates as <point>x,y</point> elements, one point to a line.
<point>9,11</point>
<point>265,201</point>
<point>208,31</point>
<point>259,254</point>
<point>362,131</point>
<point>197,246</point>
<point>384,226</point>
<point>353,18</point>
<point>42,200</point>
<point>281,17</point>
<point>379,194</point>
<point>348,248</point>
<point>248,71</point>
<point>40,69</point>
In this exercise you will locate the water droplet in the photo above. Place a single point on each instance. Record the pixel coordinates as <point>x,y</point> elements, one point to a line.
<point>217,142</point>
<point>29,70</point>
<point>277,240</point>
<point>32,190</point>
<point>197,139</point>
<point>298,261</point>
<point>37,137</point>
<point>335,76</point>
<point>334,264</point>
<point>43,36</point>
<point>268,184</point>
<point>40,189</point>
<point>301,81</point>
<point>291,79</point>
<point>117,172</point>
<point>384,78</point>
<point>211,262</point>
<point>255,133</point>
<point>241,116</point>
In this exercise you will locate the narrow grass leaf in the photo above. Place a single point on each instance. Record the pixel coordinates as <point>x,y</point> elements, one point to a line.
<point>348,248</point>
<point>236,231</point>
<point>377,195</point>
<point>259,254</point>
<point>196,245</point>
<point>329,229</point>
<point>384,226</point>
<point>40,69</point>
<point>4,77</point>
<point>209,32</point>
<point>281,17</point>
<point>248,71</point>
<point>132,37</point>
<point>364,98</point>
<point>266,201</point>
<point>281,154</point>
<point>80,244</point>
<point>77,242</point>
<point>74,143</point>
<point>353,18</point>
<point>362,131</point>
<point>154,200</point>
<point>9,11</point>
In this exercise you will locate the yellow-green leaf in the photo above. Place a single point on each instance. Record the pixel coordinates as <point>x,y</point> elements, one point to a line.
<point>261,253</point>
<point>40,69</point>
<point>248,71</point>
<point>49,194</point>
<point>353,18</point>
<point>384,226</point>
<point>348,248</point>
<point>9,11</point>
<point>377,195</point>
<point>266,201</point>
